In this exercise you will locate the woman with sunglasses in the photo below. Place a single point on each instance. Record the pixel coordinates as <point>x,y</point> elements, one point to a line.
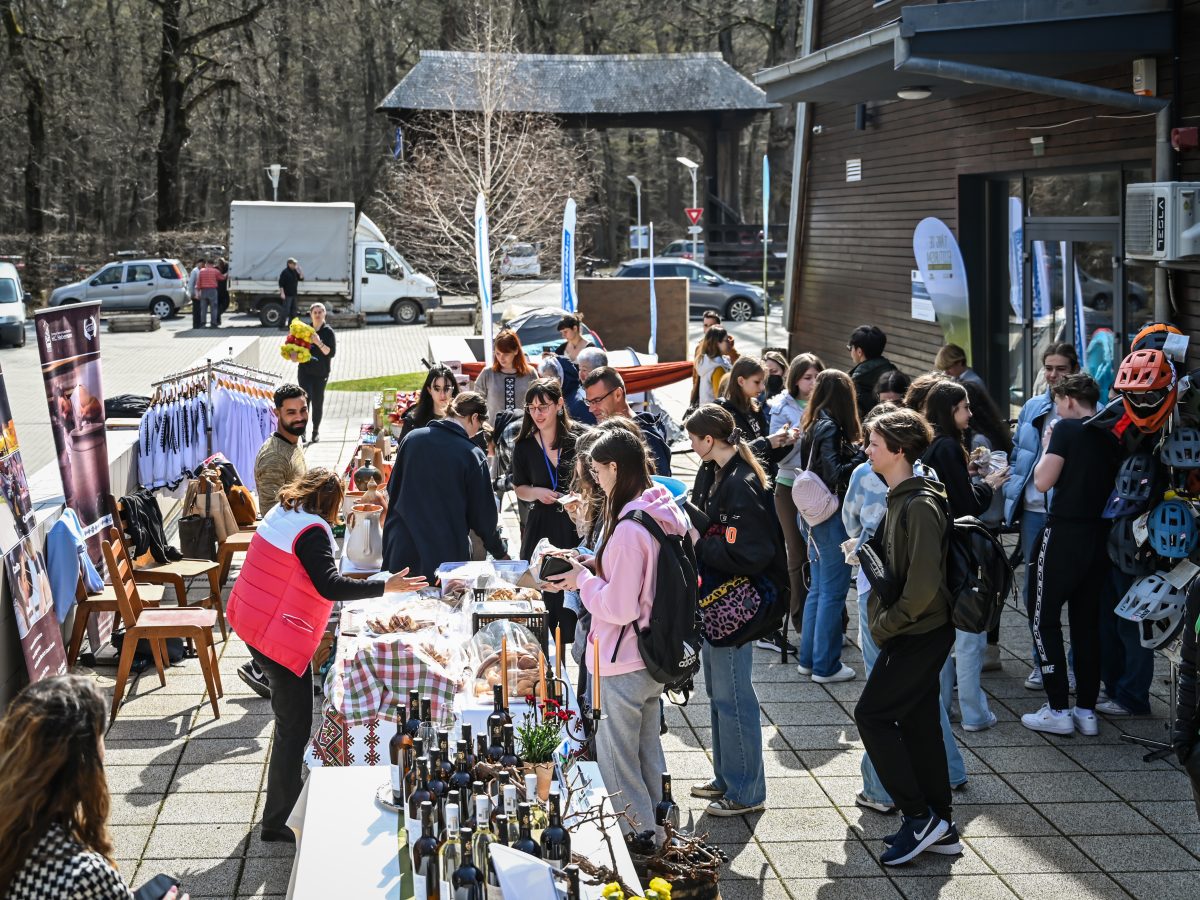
<point>542,462</point>
<point>439,389</point>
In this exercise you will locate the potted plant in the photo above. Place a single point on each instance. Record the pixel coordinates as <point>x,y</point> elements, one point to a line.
<point>539,736</point>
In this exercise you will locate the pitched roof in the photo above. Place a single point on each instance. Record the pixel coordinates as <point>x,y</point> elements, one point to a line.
<point>579,85</point>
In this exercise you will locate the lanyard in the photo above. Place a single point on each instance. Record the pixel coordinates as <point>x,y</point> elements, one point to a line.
<point>553,470</point>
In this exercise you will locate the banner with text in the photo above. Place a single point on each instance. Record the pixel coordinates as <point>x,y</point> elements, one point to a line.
<point>945,277</point>
<point>569,300</point>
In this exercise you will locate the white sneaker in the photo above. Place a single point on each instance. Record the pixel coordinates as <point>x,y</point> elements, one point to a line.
<point>804,670</point>
<point>845,673</point>
<point>1051,721</point>
<point>1033,681</point>
<point>1085,721</point>
<point>1112,708</point>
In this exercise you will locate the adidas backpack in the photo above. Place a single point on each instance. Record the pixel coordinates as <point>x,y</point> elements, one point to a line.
<point>670,643</point>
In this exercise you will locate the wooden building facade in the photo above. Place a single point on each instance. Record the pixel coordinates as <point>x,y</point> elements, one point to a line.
<point>1031,184</point>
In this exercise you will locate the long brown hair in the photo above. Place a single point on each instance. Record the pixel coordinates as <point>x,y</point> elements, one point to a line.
<point>546,390</point>
<point>833,393</point>
<point>51,771</point>
<point>508,342</point>
<point>622,447</point>
<point>591,498</point>
<point>745,367</point>
<point>318,491</point>
<point>798,369</point>
<point>939,411</point>
<point>710,344</point>
<point>716,422</point>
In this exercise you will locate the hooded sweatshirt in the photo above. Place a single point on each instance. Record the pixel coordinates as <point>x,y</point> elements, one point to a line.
<point>624,594</point>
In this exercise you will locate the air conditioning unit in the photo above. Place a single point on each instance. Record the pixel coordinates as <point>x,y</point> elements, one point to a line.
<point>1162,221</point>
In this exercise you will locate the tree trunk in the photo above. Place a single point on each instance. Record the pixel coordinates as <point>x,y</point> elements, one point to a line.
<point>174,133</point>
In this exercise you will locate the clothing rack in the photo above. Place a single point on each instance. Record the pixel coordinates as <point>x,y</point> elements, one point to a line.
<point>222,367</point>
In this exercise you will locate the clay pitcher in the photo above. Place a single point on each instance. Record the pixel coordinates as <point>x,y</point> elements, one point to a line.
<point>364,536</point>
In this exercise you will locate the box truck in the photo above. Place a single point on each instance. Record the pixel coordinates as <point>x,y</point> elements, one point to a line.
<point>348,264</point>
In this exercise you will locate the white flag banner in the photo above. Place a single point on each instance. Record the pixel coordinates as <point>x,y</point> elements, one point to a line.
<point>569,300</point>
<point>483,269</point>
<point>653,348</point>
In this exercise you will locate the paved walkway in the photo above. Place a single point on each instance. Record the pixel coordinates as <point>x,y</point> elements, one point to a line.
<point>1042,817</point>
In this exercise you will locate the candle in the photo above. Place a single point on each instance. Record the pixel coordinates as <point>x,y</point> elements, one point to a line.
<point>596,674</point>
<point>557,653</point>
<point>542,676</point>
<point>504,669</point>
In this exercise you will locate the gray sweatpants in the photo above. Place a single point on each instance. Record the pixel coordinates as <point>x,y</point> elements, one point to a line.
<point>630,751</point>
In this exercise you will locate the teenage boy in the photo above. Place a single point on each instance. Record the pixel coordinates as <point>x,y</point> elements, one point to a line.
<point>898,713</point>
<point>1022,500</point>
<point>866,346</point>
<point>1070,564</point>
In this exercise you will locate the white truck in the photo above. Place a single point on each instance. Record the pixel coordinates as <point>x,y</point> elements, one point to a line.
<point>348,264</point>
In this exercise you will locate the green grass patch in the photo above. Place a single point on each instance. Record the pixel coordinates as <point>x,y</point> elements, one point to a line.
<point>409,381</point>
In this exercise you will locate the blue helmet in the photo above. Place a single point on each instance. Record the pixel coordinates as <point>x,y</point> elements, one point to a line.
<point>1172,529</point>
<point>1119,506</point>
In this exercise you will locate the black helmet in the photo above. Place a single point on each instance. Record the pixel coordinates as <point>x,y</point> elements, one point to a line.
<point>1124,551</point>
<point>1136,477</point>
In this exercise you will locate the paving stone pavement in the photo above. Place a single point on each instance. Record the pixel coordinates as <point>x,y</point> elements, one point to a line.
<point>1042,818</point>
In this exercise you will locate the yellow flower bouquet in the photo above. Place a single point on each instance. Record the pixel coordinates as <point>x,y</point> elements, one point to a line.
<point>297,347</point>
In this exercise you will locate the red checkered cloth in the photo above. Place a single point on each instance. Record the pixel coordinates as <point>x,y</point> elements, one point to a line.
<point>371,676</point>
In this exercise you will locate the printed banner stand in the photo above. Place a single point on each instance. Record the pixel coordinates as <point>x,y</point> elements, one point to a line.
<point>945,277</point>
<point>483,270</point>
<point>33,601</point>
<point>69,345</point>
<point>652,349</point>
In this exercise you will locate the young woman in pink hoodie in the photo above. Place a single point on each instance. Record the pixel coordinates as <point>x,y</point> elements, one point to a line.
<point>617,588</point>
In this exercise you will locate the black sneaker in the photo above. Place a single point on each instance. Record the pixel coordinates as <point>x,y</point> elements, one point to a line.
<point>256,679</point>
<point>949,844</point>
<point>316,438</point>
<point>776,642</point>
<point>914,838</point>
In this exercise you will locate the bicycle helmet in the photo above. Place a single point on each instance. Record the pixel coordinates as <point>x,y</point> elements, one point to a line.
<point>1172,529</point>
<point>1143,371</point>
<point>1136,478</point>
<point>1151,598</point>
<point>1181,449</point>
<point>1125,552</point>
<point>1149,411</point>
<point>1118,507</point>
<point>1158,633</point>
<point>1153,336</point>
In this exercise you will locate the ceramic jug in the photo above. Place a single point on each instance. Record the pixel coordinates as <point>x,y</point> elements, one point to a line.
<point>364,536</point>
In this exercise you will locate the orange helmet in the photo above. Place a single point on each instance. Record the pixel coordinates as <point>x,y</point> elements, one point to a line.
<point>1143,371</point>
<point>1153,336</point>
<point>1149,417</point>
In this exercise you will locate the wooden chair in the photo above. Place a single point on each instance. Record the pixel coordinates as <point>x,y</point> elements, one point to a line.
<point>235,543</point>
<point>155,625</point>
<point>175,574</point>
<point>106,601</point>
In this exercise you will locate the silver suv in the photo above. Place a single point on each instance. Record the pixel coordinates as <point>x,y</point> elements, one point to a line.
<point>145,285</point>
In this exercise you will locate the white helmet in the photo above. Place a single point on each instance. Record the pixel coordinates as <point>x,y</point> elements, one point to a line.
<point>1152,599</point>
<point>1158,633</point>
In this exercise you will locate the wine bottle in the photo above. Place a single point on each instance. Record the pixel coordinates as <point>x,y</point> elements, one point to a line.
<point>509,814</point>
<point>449,851</point>
<point>426,731</point>
<point>494,891</point>
<point>556,840</point>
<point>426,883</point>
<point>479,801</point>
<point>665,811</point>
<point>467,881</point>
<point>537,813</point>
<point>573,882</point>
<point>412,725</point>
<point>481,751</point>
<point>449,810</point>
<point>509,758</point>
<point>482,839</point>
<point>409,774</point>
<point>495,726</point>
<point>446,768</point>
<point>460,779</point>
<point>437,787</point>
<point>525,842</point>
<point>397,747</point>
<point>420,794</point>
<point>465,737</point>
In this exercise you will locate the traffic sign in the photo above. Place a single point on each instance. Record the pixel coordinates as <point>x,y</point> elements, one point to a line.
<point>694,214</point>
<point>695,229</point>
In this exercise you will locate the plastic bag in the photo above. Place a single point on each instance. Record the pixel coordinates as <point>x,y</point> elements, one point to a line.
<point>483,663</point>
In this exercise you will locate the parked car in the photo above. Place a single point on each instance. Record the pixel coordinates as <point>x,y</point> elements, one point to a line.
<point>12,306</point>
<point>146,285</point>
<point>683,249</point>
<point>520,261</point>
<point>734,300</point>
<point>1098,293</point>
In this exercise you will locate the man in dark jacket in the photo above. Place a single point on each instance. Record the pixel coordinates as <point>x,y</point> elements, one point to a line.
<point>604,390</point>
<point>898,713</point>
<point>439,492</point>
<point>289,287</point>
<point>866,346</point>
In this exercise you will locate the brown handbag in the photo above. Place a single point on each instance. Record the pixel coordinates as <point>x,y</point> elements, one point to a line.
<point>241,502</point>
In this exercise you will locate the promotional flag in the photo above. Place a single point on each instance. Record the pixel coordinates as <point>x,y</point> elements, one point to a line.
<point>1016,250</point>
<point>1081,335</point>
<point>483,268</point>
<point>33,601</point>
<point>653,348</point>
<point>766,213</point>
<point>945,277</point>
<point>569,301</point>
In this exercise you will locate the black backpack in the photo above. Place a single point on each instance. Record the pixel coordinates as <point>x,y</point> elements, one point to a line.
<point>978,574</point>
<point>670,644</point>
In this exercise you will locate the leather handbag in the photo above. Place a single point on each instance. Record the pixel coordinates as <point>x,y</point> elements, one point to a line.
<point>216,506</point>
<point>241,503</point>
<point>198,534</point>
<point>814,501</point>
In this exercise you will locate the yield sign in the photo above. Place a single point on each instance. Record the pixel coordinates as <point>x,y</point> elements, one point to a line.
<point>694,214</point>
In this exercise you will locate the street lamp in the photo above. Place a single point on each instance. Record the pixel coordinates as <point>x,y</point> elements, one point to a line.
<point>273,171</point>
<point>692,168</point>
<point>637,184</point>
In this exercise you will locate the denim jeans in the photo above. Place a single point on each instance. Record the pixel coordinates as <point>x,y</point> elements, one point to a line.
<point>821,634</point>
<point>1126,667</point>
<point>736,723</point>
<point>872,788</point>
<point>965,667</point>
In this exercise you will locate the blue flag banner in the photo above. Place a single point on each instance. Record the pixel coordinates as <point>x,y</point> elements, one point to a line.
<point>653,348</point>
<point>569,300</point>
<point>483,269</point>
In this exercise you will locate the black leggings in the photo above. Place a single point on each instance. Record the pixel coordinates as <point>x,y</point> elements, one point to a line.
<point>315,388</point>
<point>1070,567</point>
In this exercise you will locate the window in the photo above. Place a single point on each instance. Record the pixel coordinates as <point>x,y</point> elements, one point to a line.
<point>138,273</point>
<point>8,291</point>
<point>111,275</point>
<point>373,261</point>
<point>169,272</point>
<point>394,267</point>
<point>1074,194</point>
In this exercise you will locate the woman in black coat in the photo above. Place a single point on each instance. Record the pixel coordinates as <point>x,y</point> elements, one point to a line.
<point>439,492</point>
<point>741,401</point>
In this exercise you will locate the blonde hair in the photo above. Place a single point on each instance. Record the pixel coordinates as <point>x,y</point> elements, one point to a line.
<point>949,355</point>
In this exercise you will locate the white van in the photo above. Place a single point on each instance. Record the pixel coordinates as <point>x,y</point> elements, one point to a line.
<point>12,306</point>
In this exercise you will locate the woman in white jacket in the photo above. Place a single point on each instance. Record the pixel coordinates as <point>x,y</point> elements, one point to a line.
<point>712,362</point>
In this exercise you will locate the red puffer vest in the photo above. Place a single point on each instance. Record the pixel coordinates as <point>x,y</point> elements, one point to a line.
<point>274,606</point>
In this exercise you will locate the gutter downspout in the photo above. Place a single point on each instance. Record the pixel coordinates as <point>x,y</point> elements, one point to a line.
<point>799,179</point>
<point>1070,90</point>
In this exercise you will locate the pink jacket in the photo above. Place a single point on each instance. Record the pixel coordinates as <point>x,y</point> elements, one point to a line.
<point>624,594</point>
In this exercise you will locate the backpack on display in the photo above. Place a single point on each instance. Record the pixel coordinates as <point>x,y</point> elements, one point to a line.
<point>670,643</point>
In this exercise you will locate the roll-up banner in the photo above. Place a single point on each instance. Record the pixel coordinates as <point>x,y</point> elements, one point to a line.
<point>69,346</point>
<point>569,299</point>
<point>25,568</point>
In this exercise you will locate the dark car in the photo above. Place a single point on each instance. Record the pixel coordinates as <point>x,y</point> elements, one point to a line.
<point>734,300</point>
